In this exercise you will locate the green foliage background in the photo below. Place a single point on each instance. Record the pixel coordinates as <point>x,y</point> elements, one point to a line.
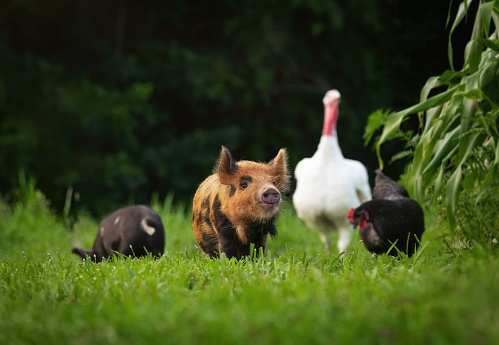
<point>118,100</point>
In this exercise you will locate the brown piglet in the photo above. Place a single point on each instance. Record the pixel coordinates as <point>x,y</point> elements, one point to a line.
<point>132,231</point>
<point>238,205</point>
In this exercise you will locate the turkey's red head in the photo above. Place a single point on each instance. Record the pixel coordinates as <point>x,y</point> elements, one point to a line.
<point>331,102</point>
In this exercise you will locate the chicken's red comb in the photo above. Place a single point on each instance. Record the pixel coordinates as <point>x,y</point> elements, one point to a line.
<point>350,214</point>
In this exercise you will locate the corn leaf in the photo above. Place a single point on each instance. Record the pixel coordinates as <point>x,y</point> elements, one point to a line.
<point>394,120</point>
<point>453,188</point>
<point>430,84</point>
<point>474,55</point>
<point>488,179</point>
<point>439,180</point>
<point>486,9</point>
<point>447,120</point>
<point>461,13</point>
<point>488,73</point>
<point>446,146</point>
<point>432,118</point>
<point>489,44</point>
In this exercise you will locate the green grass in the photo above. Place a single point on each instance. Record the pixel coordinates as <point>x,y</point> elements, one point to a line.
<point>296,294</point>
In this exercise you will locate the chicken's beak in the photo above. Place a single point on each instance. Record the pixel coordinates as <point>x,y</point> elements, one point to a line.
<point>355,224</point>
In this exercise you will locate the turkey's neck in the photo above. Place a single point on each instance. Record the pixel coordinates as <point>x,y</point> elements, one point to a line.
<point>330,118</point>
<point>328,144</point>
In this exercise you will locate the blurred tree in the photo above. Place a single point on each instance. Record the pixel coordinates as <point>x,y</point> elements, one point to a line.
<point>119,99</point>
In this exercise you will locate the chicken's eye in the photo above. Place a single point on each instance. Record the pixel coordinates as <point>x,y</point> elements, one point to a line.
<point>243,184</point>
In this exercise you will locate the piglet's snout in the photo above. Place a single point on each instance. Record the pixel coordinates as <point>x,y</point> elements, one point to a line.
<point>271,196</point>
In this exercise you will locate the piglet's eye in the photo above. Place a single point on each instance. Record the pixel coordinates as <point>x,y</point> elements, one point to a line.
<point>243,184</point>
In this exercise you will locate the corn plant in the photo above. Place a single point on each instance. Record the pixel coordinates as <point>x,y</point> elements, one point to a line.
<point>457,145</point>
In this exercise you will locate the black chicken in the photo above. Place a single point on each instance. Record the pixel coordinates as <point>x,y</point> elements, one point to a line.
<point>390,217</point>
<point>384,222</point>
<point>386,188</point>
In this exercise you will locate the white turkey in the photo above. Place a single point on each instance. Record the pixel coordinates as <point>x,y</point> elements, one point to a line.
<point>328,184</point>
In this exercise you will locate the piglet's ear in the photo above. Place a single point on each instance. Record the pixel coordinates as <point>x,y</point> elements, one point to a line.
<point>226,166</point>
<point>281,170</point>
